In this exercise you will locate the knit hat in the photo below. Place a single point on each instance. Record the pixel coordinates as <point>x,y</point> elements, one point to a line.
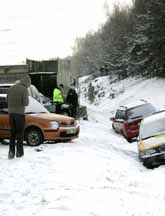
<point>26,81</point>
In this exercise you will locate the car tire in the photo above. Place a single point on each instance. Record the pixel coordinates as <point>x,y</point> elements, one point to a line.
<point>33,137</point>
<point>4,142</point>
<point>148,165</point>
<point>129,140</point>
<point>113,127</point>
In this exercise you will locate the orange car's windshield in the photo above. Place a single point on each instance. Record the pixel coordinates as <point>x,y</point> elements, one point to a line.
<point>35,107</point>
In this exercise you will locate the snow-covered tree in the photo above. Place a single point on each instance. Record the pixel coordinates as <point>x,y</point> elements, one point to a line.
<point>131,42</point>
<point>147,46</point>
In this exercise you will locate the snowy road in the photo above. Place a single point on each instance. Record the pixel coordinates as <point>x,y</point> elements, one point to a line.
<point>96,175</point>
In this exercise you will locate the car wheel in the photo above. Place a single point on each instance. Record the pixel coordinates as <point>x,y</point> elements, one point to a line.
<point>129,140</point>
<point>4,142</point>
<point>113,127</point>
<point>148,165</point>
<point>33,137</point>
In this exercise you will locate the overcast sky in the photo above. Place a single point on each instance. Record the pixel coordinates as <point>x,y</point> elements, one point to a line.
<point>44,29</point>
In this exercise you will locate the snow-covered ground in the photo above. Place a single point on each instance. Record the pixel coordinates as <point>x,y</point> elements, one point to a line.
<point>98,174</point>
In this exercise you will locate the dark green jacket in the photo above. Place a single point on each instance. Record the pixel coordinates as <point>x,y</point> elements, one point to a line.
<point>18,97</point>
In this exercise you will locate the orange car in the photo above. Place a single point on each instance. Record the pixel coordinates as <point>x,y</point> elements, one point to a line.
<point>41,125</point>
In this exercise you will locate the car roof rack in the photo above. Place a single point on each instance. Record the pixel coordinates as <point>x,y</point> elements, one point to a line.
<point>123,106</point>
<point>128,106</point>
<point>160,111</point>
<point>144,100</point>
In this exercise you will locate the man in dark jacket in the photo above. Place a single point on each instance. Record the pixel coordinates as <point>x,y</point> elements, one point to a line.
<point>91,95</point>
<point>17,99</point>
<point>72,100</point>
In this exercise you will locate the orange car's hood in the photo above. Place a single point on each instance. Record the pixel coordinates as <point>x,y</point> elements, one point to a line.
<point>53,116</point>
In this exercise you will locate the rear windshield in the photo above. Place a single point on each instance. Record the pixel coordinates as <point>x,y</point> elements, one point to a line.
<point>120,114</point>
<point>140,111</point>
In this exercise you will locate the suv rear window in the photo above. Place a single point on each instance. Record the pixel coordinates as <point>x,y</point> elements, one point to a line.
<point>120,114</point>
<point>143,111</point>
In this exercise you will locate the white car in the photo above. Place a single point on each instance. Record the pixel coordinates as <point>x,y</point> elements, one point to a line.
<point>151,143</point>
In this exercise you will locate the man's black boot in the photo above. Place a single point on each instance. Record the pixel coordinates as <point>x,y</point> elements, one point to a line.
<point>11,153</point>
<point>20,151</point>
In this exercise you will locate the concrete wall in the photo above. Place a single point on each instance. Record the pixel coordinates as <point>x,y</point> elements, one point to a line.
<point>64,68</point>
<point>66,75</point>
<point>11,73</point>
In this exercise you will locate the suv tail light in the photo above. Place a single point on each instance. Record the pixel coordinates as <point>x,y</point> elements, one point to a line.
<point>133,124</point>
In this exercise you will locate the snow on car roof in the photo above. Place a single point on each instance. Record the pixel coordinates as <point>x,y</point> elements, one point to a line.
<point>159,116</point>
<point>33,107</point>
<point>152,125</point>
<point>133,104</point>
<point>3,95</point>
<point>6,84</point>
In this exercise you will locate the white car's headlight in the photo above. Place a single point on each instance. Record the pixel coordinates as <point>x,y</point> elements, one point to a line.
<point>54,125</point>
<point>148,152</point>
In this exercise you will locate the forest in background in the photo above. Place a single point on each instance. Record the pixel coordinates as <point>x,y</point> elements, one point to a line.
<point>130,43</point>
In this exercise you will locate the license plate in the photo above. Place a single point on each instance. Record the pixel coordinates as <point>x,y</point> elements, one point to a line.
<point>71,131</point>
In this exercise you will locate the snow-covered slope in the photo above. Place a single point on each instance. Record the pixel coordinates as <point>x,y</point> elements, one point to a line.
<point>126,91</point>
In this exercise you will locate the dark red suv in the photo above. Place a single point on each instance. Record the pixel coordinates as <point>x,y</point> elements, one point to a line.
<point>127,118</point>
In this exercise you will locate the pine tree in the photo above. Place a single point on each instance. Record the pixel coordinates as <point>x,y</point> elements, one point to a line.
<point>147,50</point>
<point>115,33</point>
<point>138,52</point>
<point>156,35</point>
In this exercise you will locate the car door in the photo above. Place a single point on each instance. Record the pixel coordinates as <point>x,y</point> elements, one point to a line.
<point>4,125</point>
<point>4,119</point>
<point>119,120</point>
